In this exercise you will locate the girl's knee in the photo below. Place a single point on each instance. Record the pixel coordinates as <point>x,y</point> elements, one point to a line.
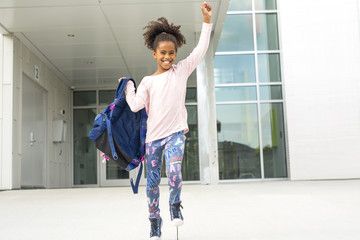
<point>174,178</point>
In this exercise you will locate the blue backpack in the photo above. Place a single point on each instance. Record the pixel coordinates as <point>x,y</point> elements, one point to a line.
<point>120,133</point>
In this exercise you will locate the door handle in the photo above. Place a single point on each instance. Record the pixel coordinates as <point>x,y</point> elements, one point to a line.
<point>32,139</point>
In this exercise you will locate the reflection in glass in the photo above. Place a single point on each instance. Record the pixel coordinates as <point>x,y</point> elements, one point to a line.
<point>226,94</point>
<point>234,68</point>
<point>106,97</point>
<point>270,92</point>
<point>238,141</point>
<point>191,95</point>
<point>85,159</point>
<point>267,31</point>
<point>240,5</point>
<point>85,98</point>
<point>273,140</point>
<point>113,171</point>
<point>265,4</point>
<point>190,165</point>
<point>237,34</point>
<point>269,67</point>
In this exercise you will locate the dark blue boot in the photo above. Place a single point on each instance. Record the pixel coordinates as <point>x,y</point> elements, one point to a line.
<point>175,214</point>
<point>155,228</point>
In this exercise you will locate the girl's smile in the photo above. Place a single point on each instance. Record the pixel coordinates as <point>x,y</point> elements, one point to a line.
<point>165,56</point>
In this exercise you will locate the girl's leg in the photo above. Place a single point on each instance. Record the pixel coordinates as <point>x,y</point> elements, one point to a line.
<point>174,151</point>
<point>153,159</point>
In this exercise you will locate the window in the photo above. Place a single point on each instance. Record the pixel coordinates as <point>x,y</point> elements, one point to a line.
<point>249,93</point>
<point>87,104</point>
<point>190,166</point>
<point>85,158</point>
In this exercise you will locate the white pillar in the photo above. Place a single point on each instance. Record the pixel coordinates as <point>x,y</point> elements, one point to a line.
<point>209,167</point>
<point>6,111</point>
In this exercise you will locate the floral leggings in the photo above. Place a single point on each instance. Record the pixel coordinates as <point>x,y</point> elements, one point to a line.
<point>173,149</point>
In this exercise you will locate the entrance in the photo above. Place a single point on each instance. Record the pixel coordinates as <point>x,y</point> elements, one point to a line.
<point>89,170</point>
<point>33,160</point>
<point>111,174</point>
<point>88,167</point>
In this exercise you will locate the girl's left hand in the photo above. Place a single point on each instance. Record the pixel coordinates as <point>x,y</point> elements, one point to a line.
<point>206,10</point>
<point>121,79</point>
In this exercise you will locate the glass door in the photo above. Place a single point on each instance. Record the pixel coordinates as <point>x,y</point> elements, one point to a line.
<point>110,172</point>
<point>85,165</point>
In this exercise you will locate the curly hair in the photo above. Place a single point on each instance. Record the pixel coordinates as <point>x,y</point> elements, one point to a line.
<point>161,30</point>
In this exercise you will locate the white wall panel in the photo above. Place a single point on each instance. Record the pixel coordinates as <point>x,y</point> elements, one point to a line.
<point>6,168</point>
<point>1,79</point>
<point>321,59</point>
<point>58,98</point>
<point>1,104</point>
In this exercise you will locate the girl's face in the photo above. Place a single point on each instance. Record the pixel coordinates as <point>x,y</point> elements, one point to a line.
<point>165,55</point>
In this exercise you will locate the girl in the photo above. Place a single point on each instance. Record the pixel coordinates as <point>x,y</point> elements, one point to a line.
<point>163,96</point>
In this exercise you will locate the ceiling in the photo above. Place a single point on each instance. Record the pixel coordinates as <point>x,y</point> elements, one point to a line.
<point>91,43</point>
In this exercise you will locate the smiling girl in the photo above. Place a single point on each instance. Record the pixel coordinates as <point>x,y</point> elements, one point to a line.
<point>163,96</point>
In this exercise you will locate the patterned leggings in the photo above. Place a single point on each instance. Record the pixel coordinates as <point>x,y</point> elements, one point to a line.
<point>173,149</point>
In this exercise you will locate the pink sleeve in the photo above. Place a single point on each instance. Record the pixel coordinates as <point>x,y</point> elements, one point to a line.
<point>138,100</point>
<point>189,64</point>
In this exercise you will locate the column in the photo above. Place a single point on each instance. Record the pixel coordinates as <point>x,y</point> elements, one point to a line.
<point>6,113</point>
<point>209,167</point>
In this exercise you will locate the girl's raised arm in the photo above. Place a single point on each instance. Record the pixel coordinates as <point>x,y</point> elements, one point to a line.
<point>190,63</point>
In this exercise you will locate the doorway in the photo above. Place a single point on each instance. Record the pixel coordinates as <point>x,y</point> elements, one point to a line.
<point>34,126</point>
<point>89,169</point>
<point>110,172</point>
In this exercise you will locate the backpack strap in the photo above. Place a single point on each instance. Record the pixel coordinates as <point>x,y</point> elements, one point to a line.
<point>111,140</point>
<point>121,87</point>
<point>119,91</point>
<point>135,187</point>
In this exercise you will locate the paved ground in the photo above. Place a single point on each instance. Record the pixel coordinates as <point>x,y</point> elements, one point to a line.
<point>254,210</point>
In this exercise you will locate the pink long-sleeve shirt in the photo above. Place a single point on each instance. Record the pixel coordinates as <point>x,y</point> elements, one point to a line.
<point>163,95</point>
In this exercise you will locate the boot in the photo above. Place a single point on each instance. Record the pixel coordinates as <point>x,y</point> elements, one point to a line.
<point>175,214</point>
<point>155,228</point>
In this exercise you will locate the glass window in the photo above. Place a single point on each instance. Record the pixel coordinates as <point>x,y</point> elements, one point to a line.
<point>236,80</point>
<point>273,140</point>
<point>269,67</point>
<point>85,157</point>
<point>265,4</point>
<point>85,98</point>
<point>190,166</point>
<point>270,92</point>
<point>240,5</point>
<point>267,32</point>
<point>234,69</point>
<point>237,34</point>
<point>191,95</point>
<point>238,141</point>
<point>225,94</point>
<point>114,171</point>
<point>106,97</point>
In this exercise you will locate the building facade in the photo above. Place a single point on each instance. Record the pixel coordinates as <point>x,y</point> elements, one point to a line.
<point>275,98</point>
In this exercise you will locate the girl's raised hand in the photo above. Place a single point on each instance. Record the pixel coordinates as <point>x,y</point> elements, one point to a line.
<point>206,10</point>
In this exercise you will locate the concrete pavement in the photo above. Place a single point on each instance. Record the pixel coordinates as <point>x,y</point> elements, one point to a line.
<point>233,211</point>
